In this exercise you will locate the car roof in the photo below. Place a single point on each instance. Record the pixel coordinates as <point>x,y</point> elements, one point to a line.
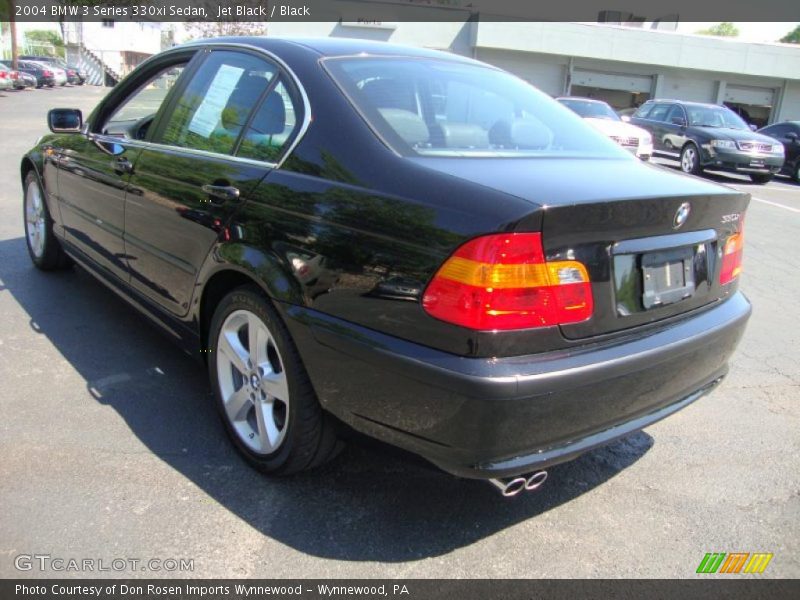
<point>331,47</point>
<point>582,99</point>
<point>685,102</point>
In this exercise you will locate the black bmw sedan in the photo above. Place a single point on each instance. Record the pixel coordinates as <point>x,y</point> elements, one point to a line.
<point>408,243</point>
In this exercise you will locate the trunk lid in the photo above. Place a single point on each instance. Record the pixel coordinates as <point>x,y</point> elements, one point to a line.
<point>651,238</point>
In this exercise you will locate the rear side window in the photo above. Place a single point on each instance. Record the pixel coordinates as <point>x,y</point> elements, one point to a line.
<point>659,112</point>
<point>272,126</point>
<point>214,108</point>
<point>432,107</point>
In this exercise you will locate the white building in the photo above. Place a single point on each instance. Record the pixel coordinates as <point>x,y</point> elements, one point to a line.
<point>109,50</point>
<point>620,64</point>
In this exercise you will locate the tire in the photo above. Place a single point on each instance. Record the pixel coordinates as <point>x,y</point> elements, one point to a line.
<point>43,246</point>
<point>760,179</point>
<point>262,391</point>
<point>38,87</point>
<point>690,160</point>
<point>796,175</point>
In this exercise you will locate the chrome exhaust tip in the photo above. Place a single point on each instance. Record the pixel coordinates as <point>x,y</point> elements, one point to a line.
<point>509,487</point>
<point>535,480</point>
<point>513,486</point>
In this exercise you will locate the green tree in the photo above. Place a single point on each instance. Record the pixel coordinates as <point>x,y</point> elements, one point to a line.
<point>45,41</point>
<point>793,37</point>
<point>724,29</point>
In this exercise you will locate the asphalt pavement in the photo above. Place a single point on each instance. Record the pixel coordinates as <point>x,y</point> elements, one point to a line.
<point>110,448</point>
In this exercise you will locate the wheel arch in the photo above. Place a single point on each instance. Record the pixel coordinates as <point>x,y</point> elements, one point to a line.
<point>28,164</point>
<point>235,265</point>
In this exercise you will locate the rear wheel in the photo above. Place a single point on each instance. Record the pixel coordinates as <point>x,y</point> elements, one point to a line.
<point>797,172</point>
<point>43,246</point>
<point>262,391</point>
<point>690,160</point>
<point>760,179</point>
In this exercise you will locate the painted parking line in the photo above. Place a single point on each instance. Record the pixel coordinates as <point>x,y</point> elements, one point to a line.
<point>791,208</point>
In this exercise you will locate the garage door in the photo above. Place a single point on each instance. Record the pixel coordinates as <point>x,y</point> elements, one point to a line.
<point>743,94</point>
<point>612,81</point>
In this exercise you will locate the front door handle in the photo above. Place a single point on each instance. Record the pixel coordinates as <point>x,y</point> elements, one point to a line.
<point>122,165</point>
<point>221,192</point>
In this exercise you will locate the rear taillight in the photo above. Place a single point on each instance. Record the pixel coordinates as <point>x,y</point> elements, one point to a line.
<point>2,74</point>
<point>503,282</point>
<point>48,73</point>
<point>732,257</point>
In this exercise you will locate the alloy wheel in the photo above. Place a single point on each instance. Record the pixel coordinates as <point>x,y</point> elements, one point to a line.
<point>34,217</point>
<point>688,159</point>
<point>252,381</point>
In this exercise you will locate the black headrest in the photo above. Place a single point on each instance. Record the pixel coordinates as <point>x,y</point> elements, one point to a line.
<point>248,91</point>
<point>390,93</point>
<point>271,117</point>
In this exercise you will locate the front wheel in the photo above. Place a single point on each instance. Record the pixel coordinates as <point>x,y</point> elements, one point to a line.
<point>760,179</point>
<point>690,160</point>
<point>262,391</point>
<point>43,246</point>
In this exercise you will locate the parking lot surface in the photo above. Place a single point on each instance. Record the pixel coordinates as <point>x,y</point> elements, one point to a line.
<point>110,447</point>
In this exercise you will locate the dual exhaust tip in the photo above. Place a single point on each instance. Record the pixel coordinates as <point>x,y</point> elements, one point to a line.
<point>524,483</point>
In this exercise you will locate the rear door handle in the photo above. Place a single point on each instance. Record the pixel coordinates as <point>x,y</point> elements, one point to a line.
<point>122,165</point>
<point>221,192</point>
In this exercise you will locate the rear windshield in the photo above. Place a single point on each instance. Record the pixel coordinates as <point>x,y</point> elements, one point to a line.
<point>432,107</point>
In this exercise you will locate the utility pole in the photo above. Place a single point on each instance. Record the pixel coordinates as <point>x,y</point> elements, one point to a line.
<point>12,26</point>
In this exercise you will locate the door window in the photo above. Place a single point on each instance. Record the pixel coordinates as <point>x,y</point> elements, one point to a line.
<point>676,112</point>
<point>213,109</point>
<point>777,131</point>
<point>132,118</point>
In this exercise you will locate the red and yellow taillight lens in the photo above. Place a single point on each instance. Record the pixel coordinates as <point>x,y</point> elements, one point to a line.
<point>732,257</point>
<point>500,282</point>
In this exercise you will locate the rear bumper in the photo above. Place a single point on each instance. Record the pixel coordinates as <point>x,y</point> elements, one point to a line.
<point>484,418</point>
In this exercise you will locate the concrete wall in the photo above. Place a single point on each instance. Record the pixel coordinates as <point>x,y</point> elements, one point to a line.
<point>686,67</point>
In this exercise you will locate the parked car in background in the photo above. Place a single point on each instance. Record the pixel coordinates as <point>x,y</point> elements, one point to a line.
<point>626,113</point>
<point>25,80</point>
<point>709,136</point>
<point>42,74</point>
<point>788,134</point>
<point>603,118</point>
<point>478,275</point>
<point>73,74</point>
<point>6,81</point>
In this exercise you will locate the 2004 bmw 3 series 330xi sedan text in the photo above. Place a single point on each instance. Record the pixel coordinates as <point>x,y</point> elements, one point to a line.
<point>410,243</point>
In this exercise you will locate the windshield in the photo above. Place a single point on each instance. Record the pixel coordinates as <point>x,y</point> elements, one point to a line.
<point>433,107</point>
<point>589,109</point>
<point>712,116</point>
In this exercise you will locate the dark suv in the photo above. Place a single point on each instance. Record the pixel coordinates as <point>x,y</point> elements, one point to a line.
<point>708,136</point>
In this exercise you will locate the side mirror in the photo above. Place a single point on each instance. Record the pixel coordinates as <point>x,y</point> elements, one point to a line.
<point>65,120</point>
<point>678,121</point>
<point>626,118</point>
<point>792,136</point>
<point>753,127</point>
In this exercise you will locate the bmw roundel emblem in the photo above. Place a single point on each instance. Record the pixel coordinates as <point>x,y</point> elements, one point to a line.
<point>681,215</point>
